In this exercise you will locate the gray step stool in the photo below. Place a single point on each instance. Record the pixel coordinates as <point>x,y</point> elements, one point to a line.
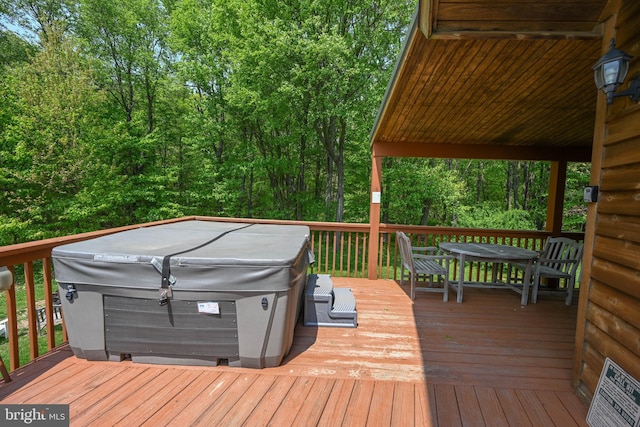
<point>325,305</point>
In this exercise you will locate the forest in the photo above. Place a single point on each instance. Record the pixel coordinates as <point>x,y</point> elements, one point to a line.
<point>126,111</point>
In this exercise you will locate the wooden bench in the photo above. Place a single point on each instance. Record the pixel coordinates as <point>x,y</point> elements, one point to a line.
<point>559,259</point>
<point>419,264</point>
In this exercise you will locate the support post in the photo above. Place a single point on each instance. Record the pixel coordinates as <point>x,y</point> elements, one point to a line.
<point>374,216</point>
<point>555,203</point>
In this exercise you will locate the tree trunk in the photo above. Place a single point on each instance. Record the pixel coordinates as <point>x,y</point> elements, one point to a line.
<point>340,169</point>
<point>299,209</point>
<point>150,98</point>
<point>480,181</point>
<point>328,190</point>
<point>250,194</point>
<point>426,210</point>
<point>516,185</point>
<point>510,189</point>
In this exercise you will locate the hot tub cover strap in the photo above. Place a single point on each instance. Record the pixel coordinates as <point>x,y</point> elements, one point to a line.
<point>166,269</point>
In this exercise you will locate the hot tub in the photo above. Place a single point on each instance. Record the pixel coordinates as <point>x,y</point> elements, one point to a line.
<point>192,292</point>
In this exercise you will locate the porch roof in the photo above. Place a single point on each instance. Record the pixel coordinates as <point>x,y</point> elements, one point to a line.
<point>506,79</point>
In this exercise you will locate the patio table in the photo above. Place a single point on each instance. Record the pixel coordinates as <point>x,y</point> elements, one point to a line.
<point>491,253</point>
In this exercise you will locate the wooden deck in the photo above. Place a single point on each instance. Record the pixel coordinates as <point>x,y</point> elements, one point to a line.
<point>487,361</point>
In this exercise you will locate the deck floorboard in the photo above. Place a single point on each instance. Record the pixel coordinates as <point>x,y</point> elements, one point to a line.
<point>485,362</point>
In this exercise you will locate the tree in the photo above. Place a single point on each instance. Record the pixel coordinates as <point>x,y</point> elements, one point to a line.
<point>128,111</point>
<point>348,60</point>
<point>48,141</point>
<point>221,165</point>
<point>34,19</point>
<point>422,191</point>
<point>575,208</point>
<point>297,80</point>
<point>13,49</point>
<point>130,39</point>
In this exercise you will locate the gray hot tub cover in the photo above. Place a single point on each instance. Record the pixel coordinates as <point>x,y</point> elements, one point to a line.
<point>201,255</point>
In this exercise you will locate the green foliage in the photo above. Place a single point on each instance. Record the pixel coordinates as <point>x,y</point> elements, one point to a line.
<point>489,215</point>
<point>575,209</point>
<point>419,191</point>
<point>132,111</point>
<point>14,49</point>
<point>48,140</point>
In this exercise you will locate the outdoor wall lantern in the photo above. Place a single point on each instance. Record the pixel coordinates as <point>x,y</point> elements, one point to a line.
<point>610,72</point>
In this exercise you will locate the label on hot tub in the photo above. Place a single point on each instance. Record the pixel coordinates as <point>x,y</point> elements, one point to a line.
<point>130,259</point>
<point>209,307</point>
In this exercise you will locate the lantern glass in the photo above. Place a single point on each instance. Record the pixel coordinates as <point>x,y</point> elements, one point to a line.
<point>611,71</point>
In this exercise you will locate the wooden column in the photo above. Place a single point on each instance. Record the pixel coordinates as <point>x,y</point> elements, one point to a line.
<point>555,203</point>
<point>374,216</point>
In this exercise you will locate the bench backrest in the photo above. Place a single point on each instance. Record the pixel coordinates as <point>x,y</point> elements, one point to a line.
<point>559,249</point>
<point>404,247</point>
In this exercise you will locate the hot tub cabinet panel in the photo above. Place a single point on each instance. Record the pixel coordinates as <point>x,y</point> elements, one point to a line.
<point>235,295</point>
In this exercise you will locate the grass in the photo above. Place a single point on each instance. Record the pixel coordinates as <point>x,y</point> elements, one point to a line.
<point>21,311</point>
<point>23,345</point>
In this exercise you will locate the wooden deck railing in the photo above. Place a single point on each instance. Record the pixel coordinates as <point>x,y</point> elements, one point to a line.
<point>340,249</point>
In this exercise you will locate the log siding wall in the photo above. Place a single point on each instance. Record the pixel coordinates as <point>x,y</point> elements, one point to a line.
<point>611,315</point>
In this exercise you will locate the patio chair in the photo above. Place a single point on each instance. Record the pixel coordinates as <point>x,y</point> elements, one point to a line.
<point>559,259</point>
<point>419,264</point>
<point>41,317</point>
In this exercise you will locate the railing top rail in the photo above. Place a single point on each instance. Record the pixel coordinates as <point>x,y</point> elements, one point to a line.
<point>29,251</point>
<point>458,231</point>
<point>23,252</point>
<point>314,225</point>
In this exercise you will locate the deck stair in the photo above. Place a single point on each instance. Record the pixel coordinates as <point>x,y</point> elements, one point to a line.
<point>325,305</point>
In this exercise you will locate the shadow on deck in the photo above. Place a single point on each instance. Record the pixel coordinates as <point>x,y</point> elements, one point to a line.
<point>487,361</point>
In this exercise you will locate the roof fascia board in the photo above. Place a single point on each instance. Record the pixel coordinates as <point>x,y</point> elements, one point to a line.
<point>516,35</point>
<point>481,151</point>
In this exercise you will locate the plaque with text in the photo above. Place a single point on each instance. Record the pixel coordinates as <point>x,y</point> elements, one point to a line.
<point>616,402</point>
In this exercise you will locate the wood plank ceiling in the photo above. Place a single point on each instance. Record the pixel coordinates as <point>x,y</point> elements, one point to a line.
<point>495,79</point>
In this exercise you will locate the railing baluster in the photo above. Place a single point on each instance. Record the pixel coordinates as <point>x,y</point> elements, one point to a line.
<point>326,252</point>
<point>349,257</point>
<point>356,253</point>
<point>313,248</point>
<point>333,253</point>
<point>380,260</point>
<point>364,255</point>
<point>31,309</point>
<point>342,253</point>
<point>48,301</point>
<point>319,260</point>
<point>388,255</point>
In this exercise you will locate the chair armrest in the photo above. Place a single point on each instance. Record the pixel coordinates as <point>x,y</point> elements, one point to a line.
<point>557,261</point>
<point>436,257</point>
<point>431,249</point>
